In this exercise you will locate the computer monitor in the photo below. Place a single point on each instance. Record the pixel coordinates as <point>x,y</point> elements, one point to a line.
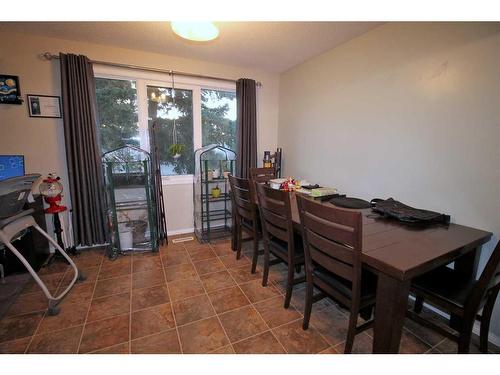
<point>11,166</point>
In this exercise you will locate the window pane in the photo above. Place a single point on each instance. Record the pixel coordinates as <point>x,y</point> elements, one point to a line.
<point>218,118</point>
<point>161,109</point>
<point>117,113</point>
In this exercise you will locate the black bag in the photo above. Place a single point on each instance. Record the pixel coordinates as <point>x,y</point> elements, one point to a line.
<point>395,209</point>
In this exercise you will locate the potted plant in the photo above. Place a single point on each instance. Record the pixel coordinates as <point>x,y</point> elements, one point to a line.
<point>125,231</point>
<point>226,171</point>
<point>216,191</point>
<point>216,173</point>
<point>176,150</point>
<point>139,227</point>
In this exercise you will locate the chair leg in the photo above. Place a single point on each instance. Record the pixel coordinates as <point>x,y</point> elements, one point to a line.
<point>366,313</point>
<point>465,336</point>
<point>419,304</point>
<point>265,276</point>
<point>485,322</point>
<point>255,252</point>
<point>353,319</point>
<point>308,306</point>
<point>239,236</point>
<point>289,286</point>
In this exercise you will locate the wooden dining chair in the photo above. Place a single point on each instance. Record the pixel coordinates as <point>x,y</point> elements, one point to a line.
<point>246,216</point>
<point>462,297</point>
<point>262,174</point>
<point>278,235</point>
<point>332,248</point>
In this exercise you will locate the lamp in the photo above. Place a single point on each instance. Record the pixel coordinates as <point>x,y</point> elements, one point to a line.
<point>196,31</point>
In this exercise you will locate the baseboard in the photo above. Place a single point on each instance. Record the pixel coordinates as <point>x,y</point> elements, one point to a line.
<point>179,231</point>
<point>492,337</point>
<point>92,247</point>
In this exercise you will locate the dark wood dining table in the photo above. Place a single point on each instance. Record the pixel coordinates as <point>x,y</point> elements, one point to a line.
<point>399,252</point>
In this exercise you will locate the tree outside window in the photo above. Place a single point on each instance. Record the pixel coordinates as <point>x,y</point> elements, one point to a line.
<point>162,111</point>
<point>218,118</point>
<point>118,120</point>
<point>117,113</point>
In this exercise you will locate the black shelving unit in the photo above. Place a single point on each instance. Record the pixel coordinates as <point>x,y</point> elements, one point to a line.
<point>212,215</point>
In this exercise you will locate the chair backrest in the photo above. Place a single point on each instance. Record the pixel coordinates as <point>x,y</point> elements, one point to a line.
<point>262,174</point>
<point>243,199</point>
<point>333,240</point>
<point>490,278</point>
<point>275,215</point>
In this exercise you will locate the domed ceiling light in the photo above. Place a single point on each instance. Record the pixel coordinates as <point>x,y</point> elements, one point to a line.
<point>196,31</point>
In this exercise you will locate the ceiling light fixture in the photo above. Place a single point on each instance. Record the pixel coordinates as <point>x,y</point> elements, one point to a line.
<point>196,31</point>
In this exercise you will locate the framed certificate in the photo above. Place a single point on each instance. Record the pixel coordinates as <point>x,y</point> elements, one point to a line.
<point>44,106</point>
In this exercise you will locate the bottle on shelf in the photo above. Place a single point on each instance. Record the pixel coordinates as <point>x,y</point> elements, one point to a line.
<point>267,162</point>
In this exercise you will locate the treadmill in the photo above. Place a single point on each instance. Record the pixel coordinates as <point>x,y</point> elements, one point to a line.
<point>15,220</point>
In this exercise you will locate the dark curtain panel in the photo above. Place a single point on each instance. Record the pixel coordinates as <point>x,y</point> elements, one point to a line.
<point>246,100</point>
<point>82,150</point>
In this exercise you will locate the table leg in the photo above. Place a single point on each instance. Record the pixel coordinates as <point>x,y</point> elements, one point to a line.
<point>468,263</point>
<point>390,311</point>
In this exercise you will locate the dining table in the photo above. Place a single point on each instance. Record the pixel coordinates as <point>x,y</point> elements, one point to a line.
<point>398,252</point>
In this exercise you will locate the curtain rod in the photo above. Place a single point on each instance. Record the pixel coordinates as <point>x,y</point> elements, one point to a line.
<point>49,56</point>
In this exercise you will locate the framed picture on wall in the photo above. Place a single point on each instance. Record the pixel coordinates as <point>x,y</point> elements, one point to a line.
<point>44,106</point>
<point>10,93</point>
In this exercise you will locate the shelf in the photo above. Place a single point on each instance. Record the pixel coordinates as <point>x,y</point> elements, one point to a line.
<point>216,215</point>
<point>223,197</point>
<point>127,206</point>
<point>217,211</point>
<point>129,187</point>
<point>142,208</point>
<point>212,215</point>
<point>214,180</point>
<point>212,210</point>
<point>215,218</point>
<point>131,203</point>
<point>216,232</point>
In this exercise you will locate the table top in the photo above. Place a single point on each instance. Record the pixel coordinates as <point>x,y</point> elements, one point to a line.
<point>404,251</point>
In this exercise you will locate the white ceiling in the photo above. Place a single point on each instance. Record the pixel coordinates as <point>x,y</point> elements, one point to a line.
<point>270,46</point>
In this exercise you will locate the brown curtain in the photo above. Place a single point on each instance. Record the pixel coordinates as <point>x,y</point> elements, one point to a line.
<point>246,100</point>
<point>82,150</point>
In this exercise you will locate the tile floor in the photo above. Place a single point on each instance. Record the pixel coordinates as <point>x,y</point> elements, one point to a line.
<point>188,298</point>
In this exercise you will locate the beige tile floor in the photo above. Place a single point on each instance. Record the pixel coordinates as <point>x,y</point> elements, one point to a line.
<point>188,298</point>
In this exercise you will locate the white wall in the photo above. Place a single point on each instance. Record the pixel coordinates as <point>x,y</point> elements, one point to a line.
<point>179,210</point>
<point>42,140</point>
<point>407,110</point>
